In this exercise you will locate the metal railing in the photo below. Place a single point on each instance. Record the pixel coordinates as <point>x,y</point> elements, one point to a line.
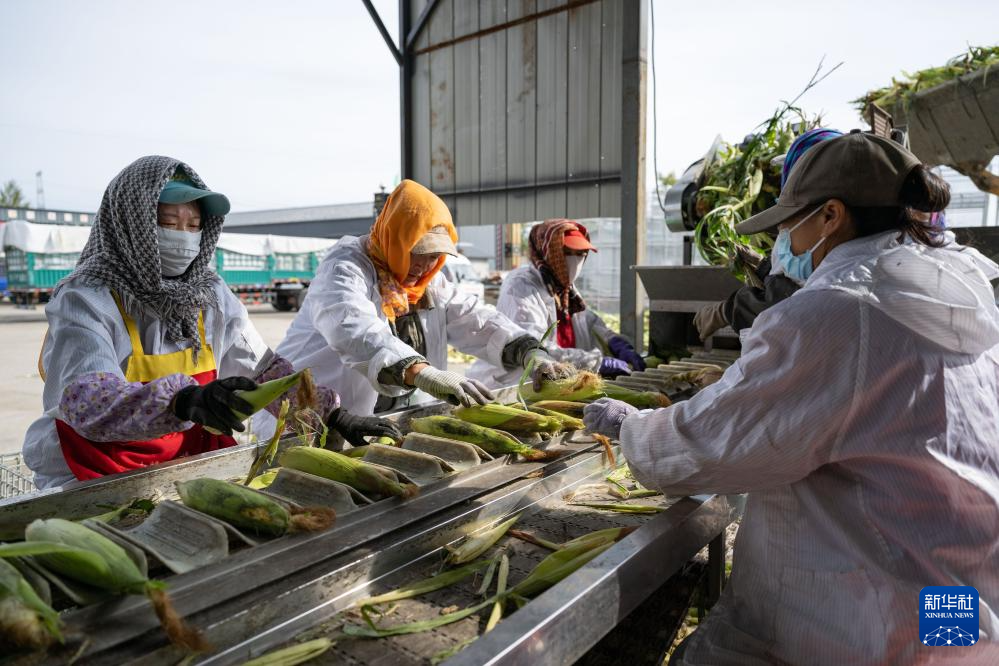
<point>15,477</point>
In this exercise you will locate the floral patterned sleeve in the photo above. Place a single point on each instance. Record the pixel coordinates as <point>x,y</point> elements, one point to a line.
<point>103,407</point>
<point>326,398</point>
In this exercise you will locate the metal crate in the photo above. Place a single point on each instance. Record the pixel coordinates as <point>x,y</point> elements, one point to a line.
<point>15,477</point>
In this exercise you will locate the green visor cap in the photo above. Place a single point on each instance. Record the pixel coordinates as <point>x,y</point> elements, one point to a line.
<point>177,192</point>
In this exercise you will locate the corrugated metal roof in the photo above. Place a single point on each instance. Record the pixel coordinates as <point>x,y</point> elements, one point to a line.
<point>350,211</point>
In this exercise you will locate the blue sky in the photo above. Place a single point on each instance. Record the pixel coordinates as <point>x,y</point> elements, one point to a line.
<point>296,103</point>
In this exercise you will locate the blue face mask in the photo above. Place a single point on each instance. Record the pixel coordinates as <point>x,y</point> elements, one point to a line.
<point>796,266</point>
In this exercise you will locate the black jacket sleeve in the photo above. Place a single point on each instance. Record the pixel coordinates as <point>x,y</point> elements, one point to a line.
<point>746,303</point>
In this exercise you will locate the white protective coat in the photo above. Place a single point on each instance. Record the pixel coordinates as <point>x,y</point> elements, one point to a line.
<point>525,299</point>
<point>342,334</point>
<point>863,420</point>
<point>86,334</point>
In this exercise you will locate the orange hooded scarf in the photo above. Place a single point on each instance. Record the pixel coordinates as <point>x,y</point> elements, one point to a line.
<point>409,213</point>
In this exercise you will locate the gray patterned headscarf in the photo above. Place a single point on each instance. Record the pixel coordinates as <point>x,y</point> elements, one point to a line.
<point>123,253</point>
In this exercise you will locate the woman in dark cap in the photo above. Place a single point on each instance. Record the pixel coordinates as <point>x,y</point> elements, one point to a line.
<point>862,419</point>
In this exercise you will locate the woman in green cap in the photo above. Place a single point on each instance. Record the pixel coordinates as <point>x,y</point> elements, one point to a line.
<point>146,344</point>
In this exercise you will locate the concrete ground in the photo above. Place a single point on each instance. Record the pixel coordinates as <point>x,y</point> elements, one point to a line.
<point>21,333</point>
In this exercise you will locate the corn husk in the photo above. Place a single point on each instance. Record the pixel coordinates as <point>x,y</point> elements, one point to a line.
<point>608,449</point>
<point>495,442</point>
<point>267,456</point>
<point>609,535</point>
<point>474,546</point>
<point>264,480</point>
<point>371,631</point>
<point>497,613</point>
<point>293,655</point>
<point>438,582</point>
<point>268,392</point>
<point>338,467</point>
<point>620,508</point>
<point>26,620</point>
<point>556,567</point>
<point>107,566</point>
<point>508,419</point>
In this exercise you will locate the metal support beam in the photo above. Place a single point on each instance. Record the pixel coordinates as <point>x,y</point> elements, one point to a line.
<point>716,568</point>
<point>421,23</point>
<point>405,93</point>
<point>384,32</point>
<point>633,63</point>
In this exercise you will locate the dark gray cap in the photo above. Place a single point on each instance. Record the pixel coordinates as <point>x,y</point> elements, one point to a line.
<point>858,169</point>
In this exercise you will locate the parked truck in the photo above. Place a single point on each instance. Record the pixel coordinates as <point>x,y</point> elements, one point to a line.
<point>258,268</point>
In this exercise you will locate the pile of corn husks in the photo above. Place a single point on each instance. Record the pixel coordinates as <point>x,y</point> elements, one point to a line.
<point>901,90</point>
<point>740,180</point>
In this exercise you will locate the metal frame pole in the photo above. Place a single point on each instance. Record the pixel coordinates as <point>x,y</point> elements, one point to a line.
<point>405,91</point>
<point>633,95</point>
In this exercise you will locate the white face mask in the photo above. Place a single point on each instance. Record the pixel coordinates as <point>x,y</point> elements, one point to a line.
<point>177,249</point>
<point>574,264</point>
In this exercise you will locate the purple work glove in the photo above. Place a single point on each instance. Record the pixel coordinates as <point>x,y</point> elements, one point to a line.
<point>605,416</point>
<point>623,350</point>
<point>611,367</point>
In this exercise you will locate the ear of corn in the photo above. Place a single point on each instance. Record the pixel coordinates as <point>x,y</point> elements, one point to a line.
<point>493,441</point>
<point>250,510</point>
<point>588,386</point>
<point>565,407</point>
<point>338,467</point>
<point>506,418</point>
<point>473,546</point>
<point>25,620</point>
<point>293,655</point>
<point>355,451</point>
<point>568,423</point>
<point>640,399</point>
<point>117,573</point>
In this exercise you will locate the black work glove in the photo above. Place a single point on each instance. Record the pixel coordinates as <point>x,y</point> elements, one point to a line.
<point>354,428</point>
<point>214,404</point>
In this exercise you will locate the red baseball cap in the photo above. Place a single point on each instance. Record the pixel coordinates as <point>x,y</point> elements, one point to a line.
<point>576,240</point>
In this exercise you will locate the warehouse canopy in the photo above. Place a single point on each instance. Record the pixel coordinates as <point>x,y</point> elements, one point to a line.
<point>56,239</point>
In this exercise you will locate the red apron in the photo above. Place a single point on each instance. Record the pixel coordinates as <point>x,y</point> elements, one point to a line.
<point>90,460</point>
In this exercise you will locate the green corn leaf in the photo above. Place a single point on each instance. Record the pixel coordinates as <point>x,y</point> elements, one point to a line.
<point>415,627</point>
<point>621,508</point>
<point>441,580</point>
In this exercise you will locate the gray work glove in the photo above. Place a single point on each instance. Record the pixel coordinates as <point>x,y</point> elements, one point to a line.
<point>709,319</point>
<point>605,416</point>
<point>451,386</point>
<point>547,369</point>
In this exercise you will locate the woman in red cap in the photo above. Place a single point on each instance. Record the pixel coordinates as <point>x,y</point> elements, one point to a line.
<point>543,292</point>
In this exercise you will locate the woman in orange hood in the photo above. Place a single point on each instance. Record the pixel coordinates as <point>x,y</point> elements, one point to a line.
<point>379,315</point>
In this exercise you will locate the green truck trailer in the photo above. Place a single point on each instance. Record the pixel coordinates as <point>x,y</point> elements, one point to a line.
<point>257,268</point>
